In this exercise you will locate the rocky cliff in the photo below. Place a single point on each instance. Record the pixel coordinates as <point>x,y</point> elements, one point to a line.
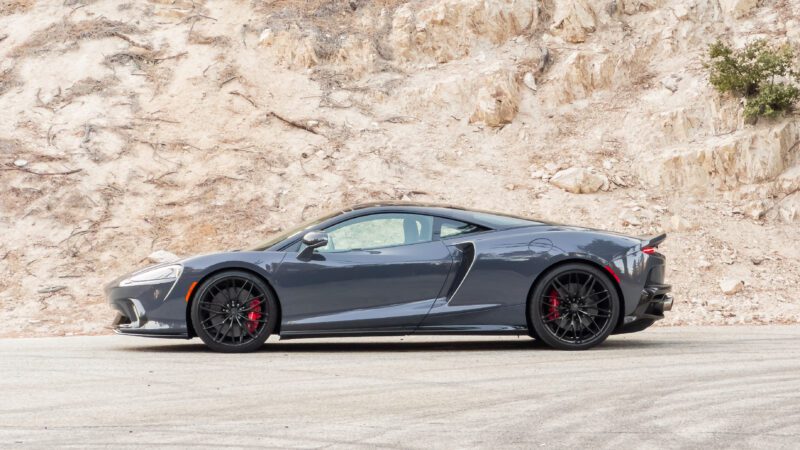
<point>195,126</point>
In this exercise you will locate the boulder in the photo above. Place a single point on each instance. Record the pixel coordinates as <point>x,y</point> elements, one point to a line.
<point>671,82</point>
<point>496,98</point>
<point>574,20</point>
<point>529,80</point>
<point>756,209</point>
<point>789,181</point>
<point>789,208</point>
<point>730,286</point>
<point>579,180</point>
<point>677,223</point>
<point>681,11</point>
<point>266,38</point>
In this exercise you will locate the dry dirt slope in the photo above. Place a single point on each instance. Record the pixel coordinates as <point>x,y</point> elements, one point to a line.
<point>194,126</point>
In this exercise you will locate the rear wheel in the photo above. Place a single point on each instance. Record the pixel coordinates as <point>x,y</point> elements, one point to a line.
<point>234,312</point>
<point>574,307</point>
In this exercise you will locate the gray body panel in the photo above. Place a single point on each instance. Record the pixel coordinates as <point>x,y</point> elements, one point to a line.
<point>473,283</point>
<point>391,288</point>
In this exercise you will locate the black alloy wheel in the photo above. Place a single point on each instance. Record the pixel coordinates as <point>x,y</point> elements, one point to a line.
<point>234,312</point>
<point>574,307</point>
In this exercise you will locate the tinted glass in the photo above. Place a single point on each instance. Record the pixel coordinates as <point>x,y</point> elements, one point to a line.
<point>450,228</point>
<point>379,230</point>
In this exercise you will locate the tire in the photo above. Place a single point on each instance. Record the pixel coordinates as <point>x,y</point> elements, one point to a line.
<point>234,312</point>
<point>574,307</point>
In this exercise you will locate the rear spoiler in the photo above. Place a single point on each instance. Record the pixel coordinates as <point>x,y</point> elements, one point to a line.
<point>653,241</point>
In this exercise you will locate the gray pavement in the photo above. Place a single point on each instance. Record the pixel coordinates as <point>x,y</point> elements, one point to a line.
<point>727,387</point>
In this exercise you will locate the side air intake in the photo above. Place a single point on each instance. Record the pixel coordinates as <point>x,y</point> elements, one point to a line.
<point>467,250</point>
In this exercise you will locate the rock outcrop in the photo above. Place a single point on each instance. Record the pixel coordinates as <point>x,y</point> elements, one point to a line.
<point>573,20</point>
<point>749,156</point>
<point>579,180</point>
<point>738,8</point>
<point>445,30</point>
<point>497,97</point>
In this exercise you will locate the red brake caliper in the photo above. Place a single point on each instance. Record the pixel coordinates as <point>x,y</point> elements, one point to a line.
<point>253,316</point>
<point>554,305</point>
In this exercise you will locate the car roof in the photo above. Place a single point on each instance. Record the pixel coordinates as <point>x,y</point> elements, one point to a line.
<point>489,219</point>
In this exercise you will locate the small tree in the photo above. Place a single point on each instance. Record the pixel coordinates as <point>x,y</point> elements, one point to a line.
<point>761,73</point>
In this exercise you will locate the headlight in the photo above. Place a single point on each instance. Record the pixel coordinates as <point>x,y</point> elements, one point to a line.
<point>157,275</point>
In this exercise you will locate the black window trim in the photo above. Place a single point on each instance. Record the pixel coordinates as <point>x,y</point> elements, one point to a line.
<point>437,228</point>
<point>367,249</point>
<point>436,225</point>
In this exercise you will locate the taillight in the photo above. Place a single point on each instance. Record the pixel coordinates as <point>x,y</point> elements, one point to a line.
<point>648,250</point>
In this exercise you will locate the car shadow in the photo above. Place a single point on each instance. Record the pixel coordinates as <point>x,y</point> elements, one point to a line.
<point>350,346</point>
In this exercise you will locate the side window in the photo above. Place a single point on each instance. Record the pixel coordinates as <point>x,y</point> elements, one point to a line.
<point>451,228</point>
<point>379,230</point>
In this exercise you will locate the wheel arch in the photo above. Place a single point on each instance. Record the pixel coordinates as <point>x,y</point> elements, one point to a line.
<point>574,260</point>
<point>190,326</point>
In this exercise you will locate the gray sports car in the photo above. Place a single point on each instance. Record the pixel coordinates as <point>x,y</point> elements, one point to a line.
<point>398,268</point>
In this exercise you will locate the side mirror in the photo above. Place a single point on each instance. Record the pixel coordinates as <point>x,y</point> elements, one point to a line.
<point>312,240</point>
<point>315,239</point>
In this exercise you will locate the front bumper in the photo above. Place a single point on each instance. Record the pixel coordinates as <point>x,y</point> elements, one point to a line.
<point>654,301</point>
<point>147,310</point>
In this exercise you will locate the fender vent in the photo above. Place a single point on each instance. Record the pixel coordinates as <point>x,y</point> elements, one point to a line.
<point>467,250</point>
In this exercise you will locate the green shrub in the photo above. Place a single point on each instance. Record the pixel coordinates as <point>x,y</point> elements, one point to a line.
<point>772,100</point>
<point>761,73</point>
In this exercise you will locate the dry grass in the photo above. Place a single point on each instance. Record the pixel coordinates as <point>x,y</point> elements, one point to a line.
<point>327,21</point>
<point>7,80</point>
<point>80,88</point>
<point>8,7</point>
<point>148,62</point>
<point>66,35</point>
<point>215,41</point>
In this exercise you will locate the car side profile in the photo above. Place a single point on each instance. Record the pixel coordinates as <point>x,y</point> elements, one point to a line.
<point>398,268</point>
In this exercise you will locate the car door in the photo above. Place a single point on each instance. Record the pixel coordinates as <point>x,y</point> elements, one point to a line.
<point>379,273</point>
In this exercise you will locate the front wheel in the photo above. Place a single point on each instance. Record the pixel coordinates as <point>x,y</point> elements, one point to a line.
<point>574,307</point>
<point>234,312</point>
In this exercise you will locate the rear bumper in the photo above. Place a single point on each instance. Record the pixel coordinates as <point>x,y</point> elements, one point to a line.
<point>653,303</point>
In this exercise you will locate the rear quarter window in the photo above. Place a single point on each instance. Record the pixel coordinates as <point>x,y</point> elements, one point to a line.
<point>452,228</point>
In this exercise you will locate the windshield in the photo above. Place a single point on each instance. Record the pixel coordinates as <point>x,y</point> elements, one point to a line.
<point>292,231</point>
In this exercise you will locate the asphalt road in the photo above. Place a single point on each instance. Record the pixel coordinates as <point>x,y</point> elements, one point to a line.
<point>733,387</point>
